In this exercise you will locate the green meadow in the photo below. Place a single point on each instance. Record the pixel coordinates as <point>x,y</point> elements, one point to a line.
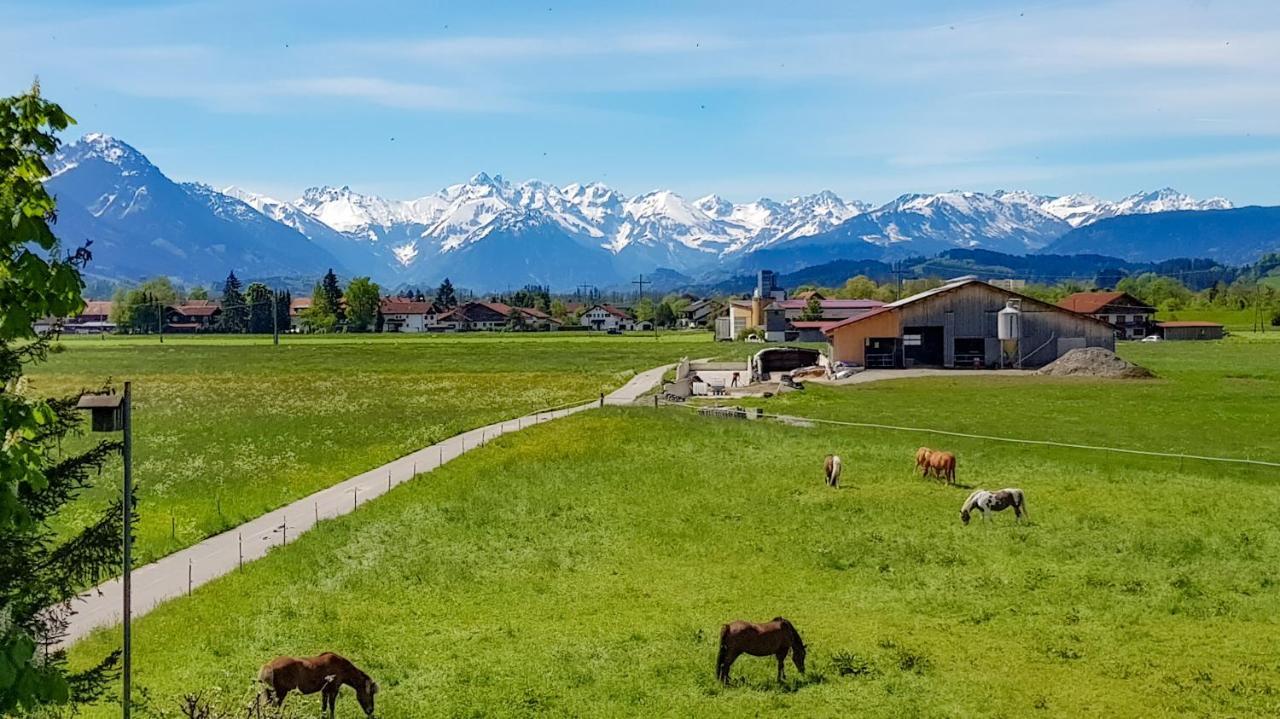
<point>227,428</point>
<point>584,567</point>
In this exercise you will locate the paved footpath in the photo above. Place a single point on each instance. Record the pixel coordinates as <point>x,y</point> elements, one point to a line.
<point>176,574</point>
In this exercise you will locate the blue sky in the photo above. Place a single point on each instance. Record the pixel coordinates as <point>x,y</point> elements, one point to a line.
<point>745,99</point>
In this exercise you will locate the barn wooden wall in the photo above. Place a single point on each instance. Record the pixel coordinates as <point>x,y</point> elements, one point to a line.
<point>970,311</point>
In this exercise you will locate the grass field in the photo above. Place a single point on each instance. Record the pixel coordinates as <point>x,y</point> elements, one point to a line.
<point>583,568</point>
<point>228,428</point>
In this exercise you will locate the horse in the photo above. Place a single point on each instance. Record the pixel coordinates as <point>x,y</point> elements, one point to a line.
<point>998,501</point>
<point>776,638</point>
<point>324,673</point>
<point>922,460</point>
<point>832,467</point>
<point>943,466</point>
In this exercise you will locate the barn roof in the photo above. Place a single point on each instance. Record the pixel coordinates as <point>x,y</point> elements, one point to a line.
<point>951,287</point>
<point>401,306</point>
<point>1090,302</point>
<point>199,309</point>
<point>1188,323</point>
<point>96,307</point>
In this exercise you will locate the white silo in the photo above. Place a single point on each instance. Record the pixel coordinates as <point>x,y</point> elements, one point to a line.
<point>1009,331</point>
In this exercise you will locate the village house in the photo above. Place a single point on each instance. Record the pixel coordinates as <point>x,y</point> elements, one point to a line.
<point>697,313</point>
<point>477,316</point>
<point>94,319</point>
<point>192,316</point>
<point>405,315</point>
<point>604,318</point>
<point>1131,316</point>
<point>297,306</point>
<point>957,325</point>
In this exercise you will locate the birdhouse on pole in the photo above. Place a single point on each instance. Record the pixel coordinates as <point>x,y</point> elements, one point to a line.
<point>107,411</point>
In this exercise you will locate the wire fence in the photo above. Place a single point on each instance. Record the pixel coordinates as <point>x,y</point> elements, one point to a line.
<point>996,438</point>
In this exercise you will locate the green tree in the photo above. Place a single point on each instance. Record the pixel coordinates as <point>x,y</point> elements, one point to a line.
<point>559,310</point>
<point>858,288</point>
<point>319,317</point>
<point>643,310</point>
<point>235,314</point>
<point>812,310</point>
<point>515,320</point>
<point>258,296</point>
<point>363,298</point>
<point>445,296</point>
<point>199,292</point>
<point>41,567</point>
<point>663,315</point>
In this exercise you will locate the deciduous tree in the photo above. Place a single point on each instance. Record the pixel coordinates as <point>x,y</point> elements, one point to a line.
<point>41,567</point>
<point>363,296</point>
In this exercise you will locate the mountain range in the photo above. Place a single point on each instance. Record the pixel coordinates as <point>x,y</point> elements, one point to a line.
<point>488,232</point>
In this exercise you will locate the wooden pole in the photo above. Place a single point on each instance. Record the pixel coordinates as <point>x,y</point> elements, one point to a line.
<point>127,551</point>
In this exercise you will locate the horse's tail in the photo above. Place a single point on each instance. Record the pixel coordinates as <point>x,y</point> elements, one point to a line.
<point>724,649</point>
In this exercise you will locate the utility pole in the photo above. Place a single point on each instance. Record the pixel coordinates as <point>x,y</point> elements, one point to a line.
<point>898,272</point>
<point>652,320</point>
<point>160,320</point>
<point>127,550</point>
<point>275,318</point>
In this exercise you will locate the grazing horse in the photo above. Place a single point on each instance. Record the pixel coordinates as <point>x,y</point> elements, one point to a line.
<point>998,501</point>
<point>943,466</point>
<point>922,460</point>
<point>324,673</point>
<point>832,467</point>
<point>775,638</point>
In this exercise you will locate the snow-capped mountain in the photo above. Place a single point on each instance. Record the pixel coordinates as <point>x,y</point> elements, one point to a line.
<point>142,223</point>
<point>1080,209</point>
<point>489,232</point>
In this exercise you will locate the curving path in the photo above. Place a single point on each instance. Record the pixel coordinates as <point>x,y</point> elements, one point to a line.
<point>178,573</point>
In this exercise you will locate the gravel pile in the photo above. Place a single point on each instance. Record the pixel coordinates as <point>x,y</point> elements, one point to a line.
<point>1094,362</point>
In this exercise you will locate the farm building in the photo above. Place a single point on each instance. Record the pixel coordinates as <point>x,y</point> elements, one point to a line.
<point>94,319</point>
<point>956,325</point>
<point>607,317</point>
<point>1130,315</point>
<point>405,315</point>
<point>297,306</point>
<point>472,316</point>
<point>192,316</point>
<point>1190,330</point>
<point>697,314</point>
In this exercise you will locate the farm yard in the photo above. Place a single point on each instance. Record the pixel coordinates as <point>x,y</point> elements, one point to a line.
<point>229,428</point>
<point>584,567</point>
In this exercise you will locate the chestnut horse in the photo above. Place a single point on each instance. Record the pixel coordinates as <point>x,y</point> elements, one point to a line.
<point>324,673</point>
<point>775,638</point>
<point>943,466</point>
<point>832,467</point>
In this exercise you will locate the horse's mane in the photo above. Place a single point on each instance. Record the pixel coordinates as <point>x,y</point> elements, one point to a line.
<point>791,629</point>
<point>972,500</point>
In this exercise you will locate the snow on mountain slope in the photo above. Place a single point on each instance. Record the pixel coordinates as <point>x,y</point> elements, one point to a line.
<point>1080,209</point>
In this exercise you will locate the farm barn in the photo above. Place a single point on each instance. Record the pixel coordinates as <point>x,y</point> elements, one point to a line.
<point>956,325</point>
<point>1191,330</point>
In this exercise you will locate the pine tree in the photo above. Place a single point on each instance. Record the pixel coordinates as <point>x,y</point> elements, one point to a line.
<point>812,310</point>
<point>284,301</point>
<point>446,298</point>
<point>41,568</point>
<point>333,295</point>
<point>235,315</point>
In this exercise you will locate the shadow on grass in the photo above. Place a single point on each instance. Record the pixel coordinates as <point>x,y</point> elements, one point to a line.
<point>794,682</point>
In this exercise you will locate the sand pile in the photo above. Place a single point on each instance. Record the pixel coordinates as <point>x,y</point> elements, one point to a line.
<point>1094,362</point>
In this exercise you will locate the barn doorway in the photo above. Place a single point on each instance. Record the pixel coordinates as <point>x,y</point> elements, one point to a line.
<point>881,353</point>
<point>784,359</point>
<point>923,346</point>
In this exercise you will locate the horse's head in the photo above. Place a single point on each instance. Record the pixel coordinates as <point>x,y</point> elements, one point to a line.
<point>797,655</point>
<point>365,693</point>
<point>964,517</point>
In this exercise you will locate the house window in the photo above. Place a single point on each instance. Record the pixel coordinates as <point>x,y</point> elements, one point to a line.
<point>1139,331</point>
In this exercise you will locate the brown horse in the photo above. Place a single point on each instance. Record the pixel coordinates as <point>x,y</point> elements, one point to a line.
<point>324,673</point>
<point>775,638</point>
<point>943,466</point>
